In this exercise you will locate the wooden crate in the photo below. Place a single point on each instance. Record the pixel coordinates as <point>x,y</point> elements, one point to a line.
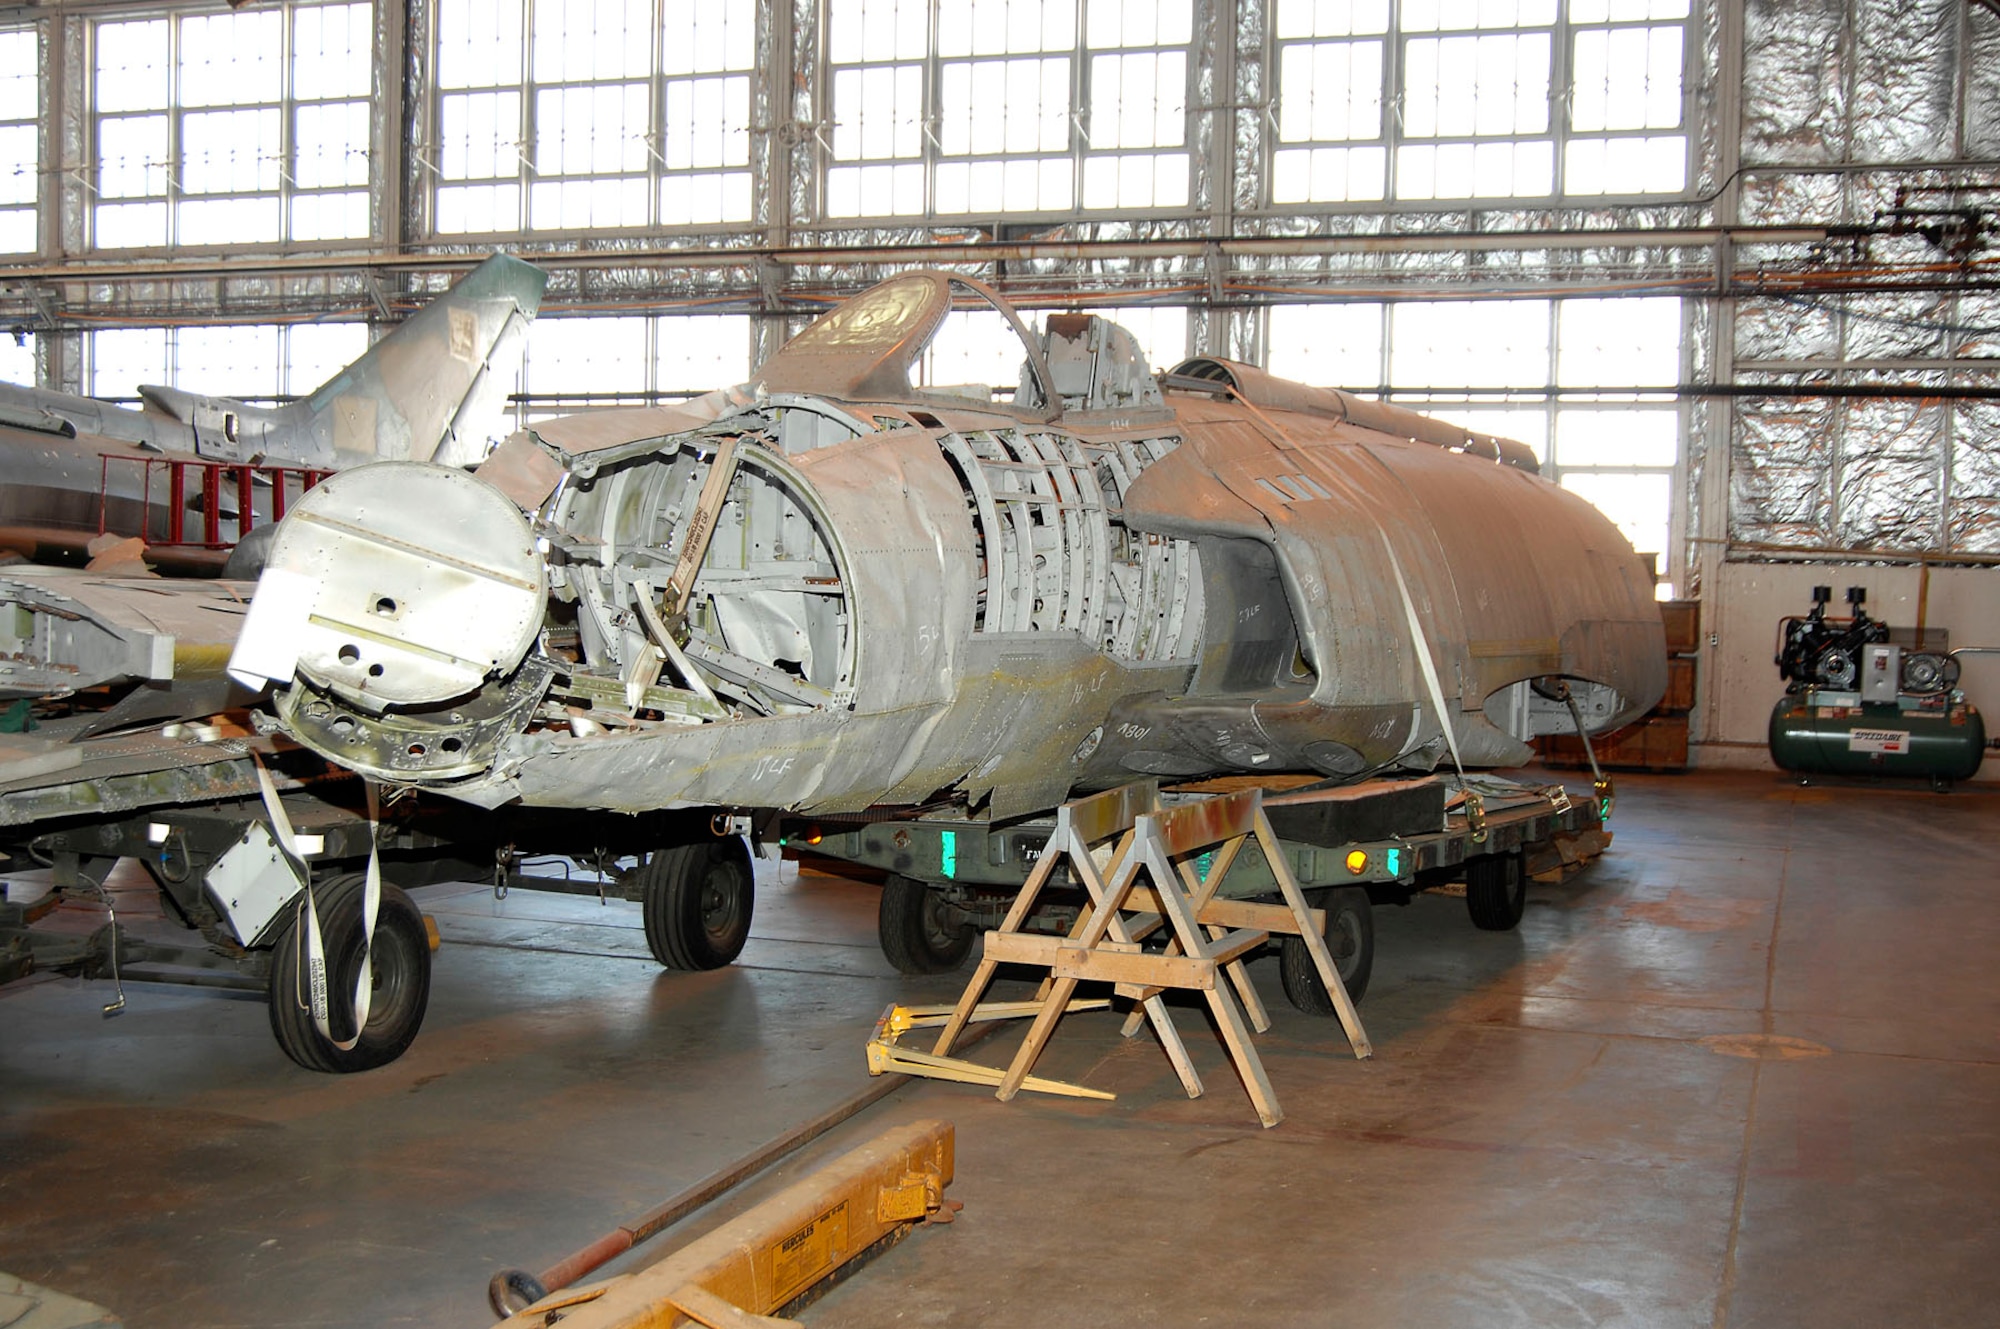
<point>1679,696</point>
<point>1656,743</point>
<point>1682,620</point>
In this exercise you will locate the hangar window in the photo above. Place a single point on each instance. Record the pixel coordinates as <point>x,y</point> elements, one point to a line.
<point>1588,384</point>
<point>1330,346</point>
<point>254,362</point>
<point>17,361</point>
<point>228,361</point>
<point>584,114</point>
<point>1625,103</point>
<point>698,353</point>
<point>123,358</point>
<point>314,352</point>
<point>1430,99</point>
<point>976,352</point>
<point>1484,364</point>
<point>1136,133</point>
<point>1160,330</point>
<point>231,129</point>
<point>582,364</point>
<point>1016,106</point>
<point>20,140</point>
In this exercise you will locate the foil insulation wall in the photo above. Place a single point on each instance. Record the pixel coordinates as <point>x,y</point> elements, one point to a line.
<point>1847,103</point>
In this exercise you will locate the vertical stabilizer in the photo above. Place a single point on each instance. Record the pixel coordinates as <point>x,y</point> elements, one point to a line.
<point>432,390</point>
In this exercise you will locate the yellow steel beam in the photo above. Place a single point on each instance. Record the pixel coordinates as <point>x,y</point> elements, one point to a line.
<point>739,1274</point>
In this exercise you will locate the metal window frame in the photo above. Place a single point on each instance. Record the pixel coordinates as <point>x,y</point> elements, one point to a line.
<point>38,47</point>
<point>1391,138</point>
<point>1079,149</point>
<point>529,173</point>
<point>176,112</point>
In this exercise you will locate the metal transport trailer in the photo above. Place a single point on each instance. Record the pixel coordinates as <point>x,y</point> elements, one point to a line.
<point>1349,847</point>
<point>183,800</point>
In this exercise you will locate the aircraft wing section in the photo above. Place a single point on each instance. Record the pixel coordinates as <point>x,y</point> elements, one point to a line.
<point>61,632</point>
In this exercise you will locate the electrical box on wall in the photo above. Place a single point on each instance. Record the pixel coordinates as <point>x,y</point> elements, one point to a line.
<point>1881,673</point>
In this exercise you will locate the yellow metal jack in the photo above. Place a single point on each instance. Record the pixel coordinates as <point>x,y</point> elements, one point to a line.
<point>885,1056</point>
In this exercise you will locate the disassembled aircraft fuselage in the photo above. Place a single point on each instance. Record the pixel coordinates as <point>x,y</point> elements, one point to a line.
<point>827,591</point>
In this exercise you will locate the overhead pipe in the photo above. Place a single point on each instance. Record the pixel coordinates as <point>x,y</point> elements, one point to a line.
<point>974,251</point>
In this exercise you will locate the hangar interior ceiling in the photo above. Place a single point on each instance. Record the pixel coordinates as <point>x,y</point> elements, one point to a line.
<point>1726,266</point>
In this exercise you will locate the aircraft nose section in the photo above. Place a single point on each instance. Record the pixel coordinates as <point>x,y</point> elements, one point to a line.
<point>423,583</point>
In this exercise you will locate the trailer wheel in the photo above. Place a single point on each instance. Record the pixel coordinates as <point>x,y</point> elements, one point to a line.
<point>1496,891</point>
<point>697,900</point>
<point>401,960</point>
<point>920,932</point>
<point>1350,935</point>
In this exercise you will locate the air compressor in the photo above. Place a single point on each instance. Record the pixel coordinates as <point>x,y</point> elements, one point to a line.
<point>1856,703</point>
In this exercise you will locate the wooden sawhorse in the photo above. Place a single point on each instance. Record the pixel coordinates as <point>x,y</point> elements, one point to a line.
<point>1109,842</point>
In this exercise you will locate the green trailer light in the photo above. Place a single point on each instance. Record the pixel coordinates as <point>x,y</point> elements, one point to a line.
<point>1392,862</point>
<point>948,853</point>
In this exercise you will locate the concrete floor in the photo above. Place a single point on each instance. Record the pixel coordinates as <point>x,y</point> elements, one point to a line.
<point>1744,1071</point>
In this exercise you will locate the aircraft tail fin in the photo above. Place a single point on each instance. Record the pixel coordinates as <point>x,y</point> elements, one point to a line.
<point>429,391</point>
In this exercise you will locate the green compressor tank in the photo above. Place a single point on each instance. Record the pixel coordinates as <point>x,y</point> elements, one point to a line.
<point>1937,742</point>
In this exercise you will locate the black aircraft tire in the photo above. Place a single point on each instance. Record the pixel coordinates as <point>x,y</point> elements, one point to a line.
<point>920,933</point>
<point>1350,936</point>
<point>1496,891</point>
<point>697,900</point>
<point>401,959</point>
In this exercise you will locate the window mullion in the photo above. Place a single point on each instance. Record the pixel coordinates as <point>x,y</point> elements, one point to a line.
<point>1080,78</point>
<point>1395,97</point>
<point>1549,397</point>
<point>174,165</point>
<point>656,146</point>
<point>527,172</point>
<point>431,151</point>
<point>288,111</point>
<point>1562,97</point>
<point>930,138</point>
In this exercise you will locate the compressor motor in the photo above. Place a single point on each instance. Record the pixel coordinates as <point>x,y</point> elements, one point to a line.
<point>1815,652</point>
<point>1856,704</point>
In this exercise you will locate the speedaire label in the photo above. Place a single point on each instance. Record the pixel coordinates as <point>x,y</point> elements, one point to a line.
<point>810,1253</point>
<point>1878,740</point>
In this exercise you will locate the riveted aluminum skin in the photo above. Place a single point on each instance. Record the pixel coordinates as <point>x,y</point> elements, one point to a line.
<point>900,596</point>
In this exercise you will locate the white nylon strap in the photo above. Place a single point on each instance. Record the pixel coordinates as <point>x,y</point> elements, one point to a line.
<point>371,903</point>
<point>1475,807</point>
<point>1422,642</point>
